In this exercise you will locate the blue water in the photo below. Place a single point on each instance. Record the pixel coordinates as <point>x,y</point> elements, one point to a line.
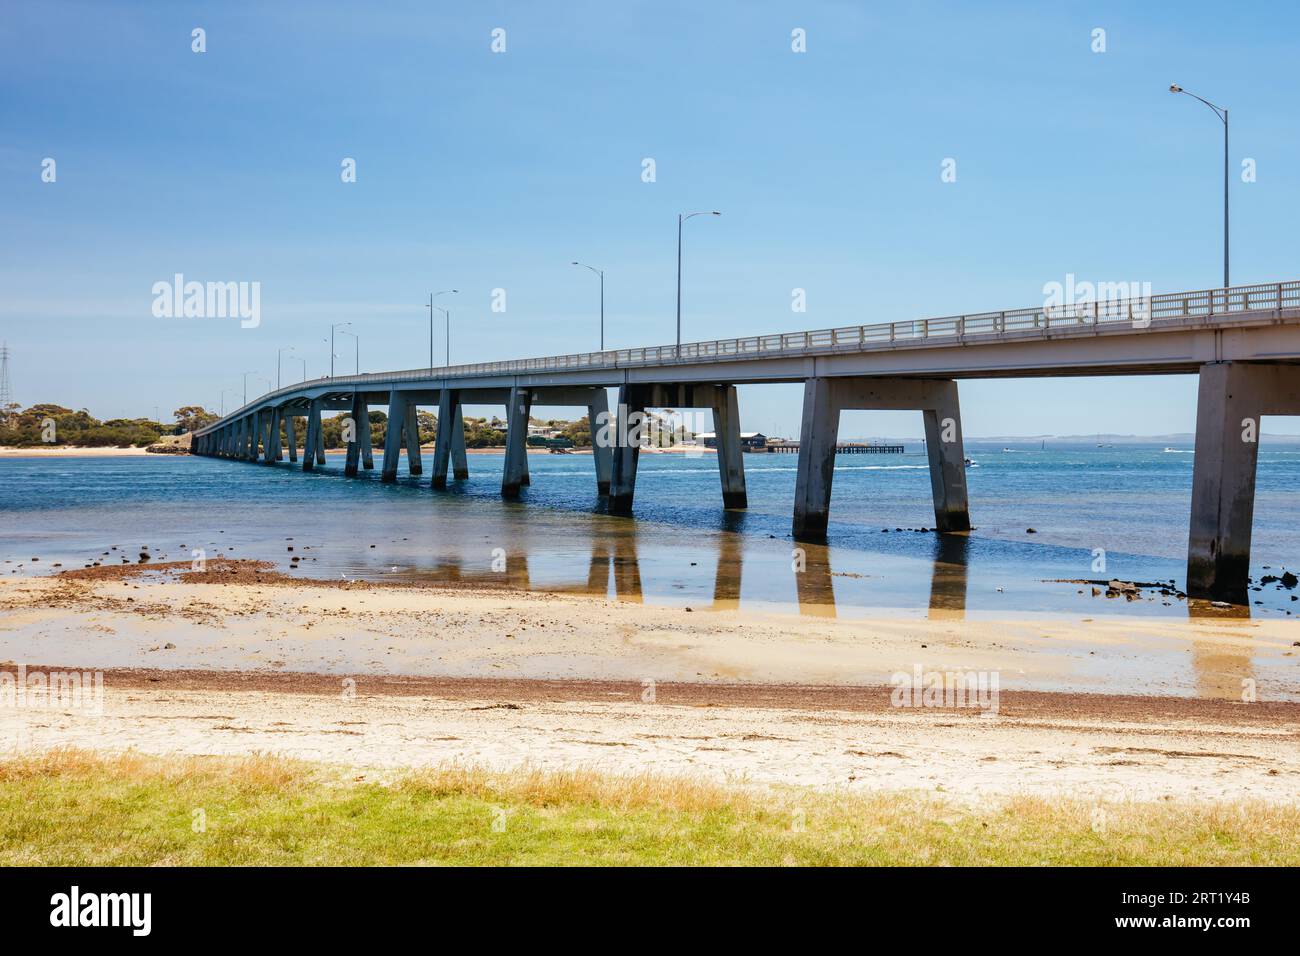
<point>682,548</point>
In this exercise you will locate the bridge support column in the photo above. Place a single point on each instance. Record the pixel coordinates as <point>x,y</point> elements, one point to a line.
<point>277,447</point>
<point>269,432</point>
<point>449,446</point>
<point>947,454</point>
<point>290,436</point>
<point>411,431</point>
<point>360,415</point>
<point>1232,400</point>
<point>259,432</point>
<point>817,437</point>
<point>825,398</point>
<point>459,460</point>
<point>626,448</point>
<point>366,438</point>
<point>731,465</point>
<point>515,474</point>
<point>313,440</point>
<point>601,452</point>
<point>397,405</point>
<point>320,435</point>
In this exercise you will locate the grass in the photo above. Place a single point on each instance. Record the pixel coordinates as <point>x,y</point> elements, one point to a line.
<point>71,807</point>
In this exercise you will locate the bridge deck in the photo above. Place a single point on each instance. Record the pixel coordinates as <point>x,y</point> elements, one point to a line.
<point>1170,333</point>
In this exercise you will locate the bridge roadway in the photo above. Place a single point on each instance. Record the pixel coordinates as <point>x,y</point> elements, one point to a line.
<point>1243,342</point>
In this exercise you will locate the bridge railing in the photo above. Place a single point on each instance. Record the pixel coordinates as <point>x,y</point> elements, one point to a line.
<point>1142,312</point>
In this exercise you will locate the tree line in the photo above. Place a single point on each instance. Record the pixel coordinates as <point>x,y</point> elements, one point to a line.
<point>48,424</point>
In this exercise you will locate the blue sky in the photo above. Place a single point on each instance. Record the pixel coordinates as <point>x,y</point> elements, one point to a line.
<point>479,171</point>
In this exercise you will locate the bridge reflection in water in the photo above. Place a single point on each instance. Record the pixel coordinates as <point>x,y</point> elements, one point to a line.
<point>1220,657</point>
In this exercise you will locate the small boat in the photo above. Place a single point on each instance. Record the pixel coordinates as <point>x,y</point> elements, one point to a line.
<point>970,464</point>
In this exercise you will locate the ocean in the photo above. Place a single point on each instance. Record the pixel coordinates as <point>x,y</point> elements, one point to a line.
<point>1097,513</point>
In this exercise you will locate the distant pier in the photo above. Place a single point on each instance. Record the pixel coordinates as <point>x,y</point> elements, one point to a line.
<point>841,448</point>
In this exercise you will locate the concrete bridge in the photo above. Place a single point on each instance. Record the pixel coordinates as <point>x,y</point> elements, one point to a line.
<point>1244,342</point>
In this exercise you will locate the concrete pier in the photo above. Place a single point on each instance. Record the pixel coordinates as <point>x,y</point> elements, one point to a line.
<point>515,474</point>
<point>449,446</point>
<point>393,435</point>
<point>731,465</point>
<point>290,434</point>
<point>313,439</point>
<point>448,409</point>
<point>625,446</point>
<point>360,415</point>
<point>1233,399</point>
<point>825,398</point>
<point>411,432</point>
<point>277,452</point>
<point>601,453</point>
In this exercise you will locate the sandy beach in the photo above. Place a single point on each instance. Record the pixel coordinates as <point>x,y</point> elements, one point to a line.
<point>240,659</point>
<point>68,451</point>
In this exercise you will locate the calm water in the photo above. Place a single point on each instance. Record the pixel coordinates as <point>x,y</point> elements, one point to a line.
<point>683,549</point>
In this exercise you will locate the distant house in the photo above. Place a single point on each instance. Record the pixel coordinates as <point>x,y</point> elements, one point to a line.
<point>749,441</point>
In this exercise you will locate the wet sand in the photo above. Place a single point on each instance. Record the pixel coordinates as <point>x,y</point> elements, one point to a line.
<point>388,676</point>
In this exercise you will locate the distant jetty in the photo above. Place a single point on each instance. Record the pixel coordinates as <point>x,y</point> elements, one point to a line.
<point>841,448</point>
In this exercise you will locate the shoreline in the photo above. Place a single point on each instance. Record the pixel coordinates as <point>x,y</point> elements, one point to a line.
<point>396,677</point>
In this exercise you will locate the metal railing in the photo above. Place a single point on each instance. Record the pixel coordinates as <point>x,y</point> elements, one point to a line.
<point>1170,309</point>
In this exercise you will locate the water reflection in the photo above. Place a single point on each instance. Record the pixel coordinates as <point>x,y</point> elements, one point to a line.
<point>1221,657</point>
<point>948,577</point>
<point>611,564</point>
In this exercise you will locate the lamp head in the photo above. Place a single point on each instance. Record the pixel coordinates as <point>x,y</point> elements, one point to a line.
<point>1175,88</point>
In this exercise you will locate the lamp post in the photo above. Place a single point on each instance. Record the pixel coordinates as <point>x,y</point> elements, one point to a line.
<point>681,218</point>
<point>246,374</point>
<point>279,357</point>
<point>336,325</point>
<point>432,296</point>
<point>304,367</point>
<point>601,273</point>
<point>357,341</point>
<point>223,402</point>
<point>1222,113</point>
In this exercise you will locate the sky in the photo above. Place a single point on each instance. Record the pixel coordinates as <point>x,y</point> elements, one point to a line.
<point>480,171</point>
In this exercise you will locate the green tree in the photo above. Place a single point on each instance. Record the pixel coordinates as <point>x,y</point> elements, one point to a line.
<point>191,418</point>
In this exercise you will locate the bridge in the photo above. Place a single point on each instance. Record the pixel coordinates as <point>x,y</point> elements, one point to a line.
<point>1243,342</point>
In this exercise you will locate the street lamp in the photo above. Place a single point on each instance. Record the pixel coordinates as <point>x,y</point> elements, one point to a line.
<point>246,374</point>
<point>279,356</point>
<point>681,219</point>
<point>223,402</point>
<point>447,314</point>
<point>304,366</point>
<point>333,356</point>
<point>336,325</point>
<point>601,273</point>
<point>1222,113</point>
<point>357,339</point>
